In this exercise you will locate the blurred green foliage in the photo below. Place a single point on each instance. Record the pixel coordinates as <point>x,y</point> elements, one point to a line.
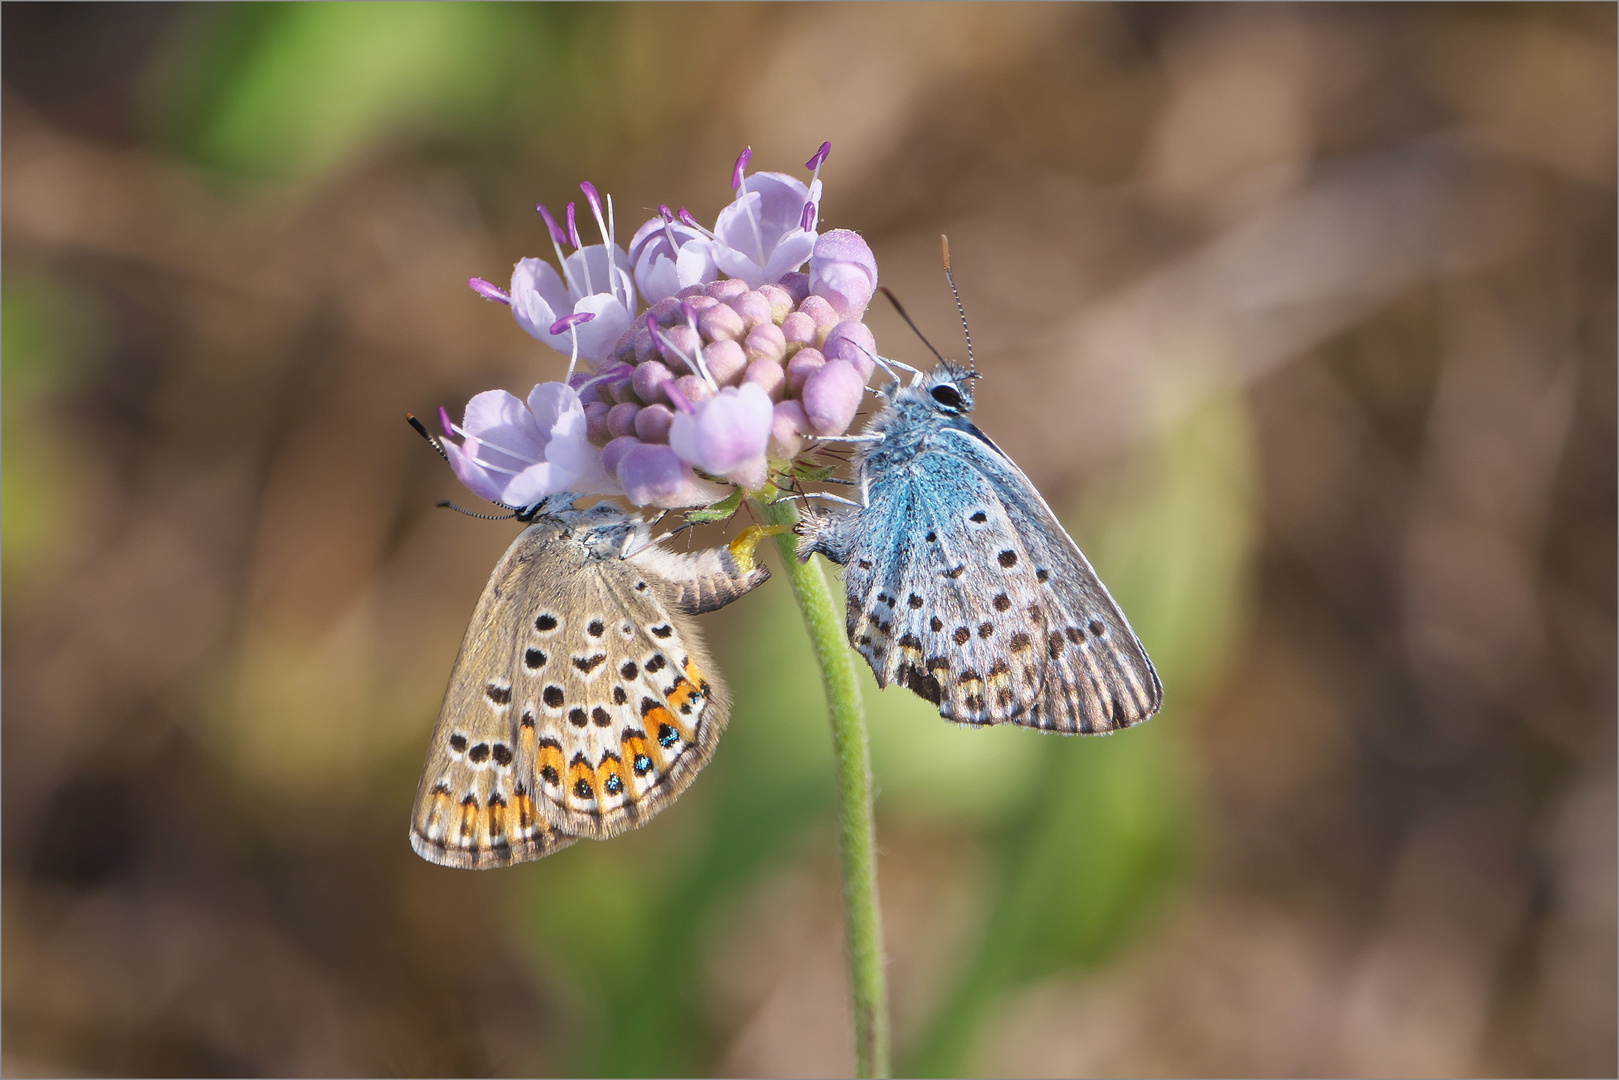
<point>47,338</point>
<point>293,91</point>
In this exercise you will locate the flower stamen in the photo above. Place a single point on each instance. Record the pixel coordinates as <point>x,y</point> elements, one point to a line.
<point>558,238</point>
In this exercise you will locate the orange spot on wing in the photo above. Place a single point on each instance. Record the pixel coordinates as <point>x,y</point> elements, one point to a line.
<point>632,745</point>
<point>549,755</point>
<point>660,715</point>
<point>467,829</point>
<point>495,817</point>
<point>581,770</point>
<point>613,768</point>
<point>522,811</point>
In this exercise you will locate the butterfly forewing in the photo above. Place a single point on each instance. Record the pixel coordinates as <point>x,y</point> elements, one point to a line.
<point>582,700</point>
<point>1098,676</point>
<point>475,805</point>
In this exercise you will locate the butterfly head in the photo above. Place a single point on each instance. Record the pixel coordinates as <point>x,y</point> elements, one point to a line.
<point>947,389</point>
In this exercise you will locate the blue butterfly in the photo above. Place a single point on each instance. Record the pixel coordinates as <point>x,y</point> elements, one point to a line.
<point>961,584</point>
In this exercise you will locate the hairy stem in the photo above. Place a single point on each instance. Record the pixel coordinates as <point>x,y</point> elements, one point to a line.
<point>857,838</point>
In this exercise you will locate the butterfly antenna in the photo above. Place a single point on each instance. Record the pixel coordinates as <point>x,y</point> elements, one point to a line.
<point>424,433</point>
<point>944,243</point>
<point>446,504</point>
<point>892,299</point>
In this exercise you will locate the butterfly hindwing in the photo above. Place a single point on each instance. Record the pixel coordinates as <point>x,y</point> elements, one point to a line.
<point>583,700</point>
<point>628,708</point>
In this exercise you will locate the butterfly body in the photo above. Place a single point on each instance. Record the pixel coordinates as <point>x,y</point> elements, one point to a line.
<point>961,584</point>
<point>583,699</point>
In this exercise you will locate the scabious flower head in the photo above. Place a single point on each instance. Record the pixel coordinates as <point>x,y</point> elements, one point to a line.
<point>710,357</point>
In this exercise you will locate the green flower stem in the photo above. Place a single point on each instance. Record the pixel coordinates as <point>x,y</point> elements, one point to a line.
<point>857,837</point>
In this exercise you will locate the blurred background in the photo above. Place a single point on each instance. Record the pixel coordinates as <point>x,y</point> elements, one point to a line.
<point>1303,317</point>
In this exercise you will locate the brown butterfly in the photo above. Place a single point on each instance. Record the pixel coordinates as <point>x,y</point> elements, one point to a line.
<point>583,700</point>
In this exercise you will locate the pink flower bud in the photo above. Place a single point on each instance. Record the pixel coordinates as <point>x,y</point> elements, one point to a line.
<point>721,323</point>
<point>824,314</point>
<point>765,342</point>
<point>652,423</point>
<point>666,312</point>
<point>769,376</point>
<point>614,452</point>
<point>805,362</point>
<point>624,348</point>
<point>621,419</point>
<point>725,288</point>
<point>596,422</point>
<point>697,301</point>
<point>852,340</point>
<point>832,396</point>
<point>843,269</point>
<point>797,286</point>
<point>780,301</point>
<point>689,292</point>
<point>725,360</point>
<point>694,388</point>
<point>648,380</point>
<point>753,308</point>
<point>645,348</point>
<point>788,424</point>
<point>798,330</point>
<point>679,342</point>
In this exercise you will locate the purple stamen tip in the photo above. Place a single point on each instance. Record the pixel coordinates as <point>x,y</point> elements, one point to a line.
<point>568,322</point>
<point>573,228</point>
<point>652,328</point>
<point>590,195</point>
<point>665,213</point>
<point>557,234</point>
<point>687,219</point>
<point>444,422</point>
<point>690,312</point>
<point>489,290</point>
<point>806,220</point>
<point>741,165</point>
<point>682,402</point>
<point>820,157</point>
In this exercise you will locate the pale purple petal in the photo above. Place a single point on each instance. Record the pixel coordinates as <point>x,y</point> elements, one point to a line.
<point>516,453</point>
<point>538,297</point>
<point>472,474</point>
<point>726,433</point>
<point>757,237</point>
<point>652,474</point>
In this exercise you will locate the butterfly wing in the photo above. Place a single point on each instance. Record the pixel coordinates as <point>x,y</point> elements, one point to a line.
<point>476,803</point>
<point>625,708</point>
<point>583,701</point>
<point>962,586</point>
<point>1097,676</point>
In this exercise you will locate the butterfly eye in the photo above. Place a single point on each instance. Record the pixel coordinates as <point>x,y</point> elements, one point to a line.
<point>948,396</point>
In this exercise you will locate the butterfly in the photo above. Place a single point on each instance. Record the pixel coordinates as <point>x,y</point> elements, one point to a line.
<point>962,586</point>
<point>583,700</point>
